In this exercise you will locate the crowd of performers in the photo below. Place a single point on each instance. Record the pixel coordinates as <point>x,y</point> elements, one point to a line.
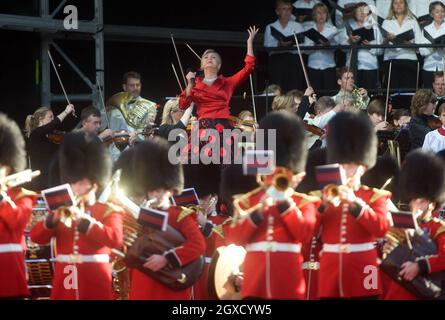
<point>300,241</point>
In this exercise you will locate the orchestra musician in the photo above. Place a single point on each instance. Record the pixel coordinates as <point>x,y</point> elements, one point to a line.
<point>42,143</point>
<point>129,112</point>
<point>83,249</point>
<point>273,220</point>
<point>16,206</point>
<point>352,216</point>
<point>423,120</point>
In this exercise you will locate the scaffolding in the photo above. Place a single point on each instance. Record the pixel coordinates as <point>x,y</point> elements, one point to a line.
<point>51,29</point>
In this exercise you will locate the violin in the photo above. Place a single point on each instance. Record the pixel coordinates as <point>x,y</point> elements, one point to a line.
<point>244,125</point>
<point>434,122</point>
<point>120,138</point>
<point>314,129</point>
<point>56,136</point>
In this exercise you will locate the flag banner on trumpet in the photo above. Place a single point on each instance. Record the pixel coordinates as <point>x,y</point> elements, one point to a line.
<point>258,162</point>
<point>330,174</point>
<point>156,219</point>
<point>403,219</point>
<point>60,196</point>
<point>186,198</point>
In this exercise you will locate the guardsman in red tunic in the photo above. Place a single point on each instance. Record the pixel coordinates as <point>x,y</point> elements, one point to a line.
<point>275,220</point>
<point>83,269</point>
<point>16,206</point>
<point>349,230</point>
<point>158,179</point>
<point>422,184</point>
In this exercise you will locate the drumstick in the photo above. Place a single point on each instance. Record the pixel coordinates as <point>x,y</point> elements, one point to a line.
<point>302,62</point>
<point>179,60</point>
<point>177,77</point>
<point>193,51</point>
<point>387,90</point>
<point>253,97</point>
<point>60,81</point>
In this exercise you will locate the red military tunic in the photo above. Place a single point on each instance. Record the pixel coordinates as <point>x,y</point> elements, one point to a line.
<point>344,274</point>
<point>144,287</point>
<point>104,232</point>
<point>12,242</point>
<point>273,264</point>
<point>436,263</point>
<point>311,265</point>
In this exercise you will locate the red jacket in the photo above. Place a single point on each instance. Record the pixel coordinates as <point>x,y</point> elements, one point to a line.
<point>343,274</point>
<point>104,232</point>
<point>270,274</point>
<point>12,226</point>
<point>145,288</point>
<point>213,101</point>
<point>436,230</point>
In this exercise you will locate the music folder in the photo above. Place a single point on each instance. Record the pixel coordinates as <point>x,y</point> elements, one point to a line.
<point>281,37</point>
<point>403,220</point>
<point>330,174</point>
<point>401,37</point>
<point>438,40</point>
<point>316,36</point>
<point>364,33</point>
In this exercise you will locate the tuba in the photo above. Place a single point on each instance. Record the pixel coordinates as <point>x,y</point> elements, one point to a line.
<point>138,112</point>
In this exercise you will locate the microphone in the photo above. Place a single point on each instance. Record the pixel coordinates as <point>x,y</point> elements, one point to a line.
<point>193,79</point>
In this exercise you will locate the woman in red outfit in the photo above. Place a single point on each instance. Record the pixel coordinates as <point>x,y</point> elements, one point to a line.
<point>212,93</point>
<point>15,211</point>
<point>423,181</point>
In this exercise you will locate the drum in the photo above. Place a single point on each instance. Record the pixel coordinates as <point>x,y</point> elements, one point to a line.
<point>226,265</point>
<point>39,259</point>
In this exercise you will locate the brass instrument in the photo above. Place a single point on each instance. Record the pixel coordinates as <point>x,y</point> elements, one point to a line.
<point>276,185</point>
<point>13,181</point>
<point>359,102</point>
<point>139,113</point>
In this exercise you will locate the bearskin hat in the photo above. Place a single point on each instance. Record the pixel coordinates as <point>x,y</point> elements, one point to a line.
<point>152,169</point>
<point>12,145</point>
<point>315,158</point>
<point>204,178</point>
<point>291,151</point>
<point>84,155</point>
<point>423,176</point>
<point>351,138</point>
<point>233,182</point>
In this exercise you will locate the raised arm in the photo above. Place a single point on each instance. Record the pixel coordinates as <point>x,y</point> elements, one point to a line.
<point>253,30</point>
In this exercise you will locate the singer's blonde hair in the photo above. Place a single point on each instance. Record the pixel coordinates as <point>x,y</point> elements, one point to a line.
<point>209,51</point>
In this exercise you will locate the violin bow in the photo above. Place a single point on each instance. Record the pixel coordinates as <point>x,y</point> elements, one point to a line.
<point>253,97</point>
<point>387,91</point>
<point>103,102</point>
<point>347,74</point>
<point>193,51</point>
<point>60,81</point>
<point>177,77</point>
<point>301,61</point>
<point>179,59</point>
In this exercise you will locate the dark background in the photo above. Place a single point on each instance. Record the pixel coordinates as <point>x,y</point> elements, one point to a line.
<point>19,80</point>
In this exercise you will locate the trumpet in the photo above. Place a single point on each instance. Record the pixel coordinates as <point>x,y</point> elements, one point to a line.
<point>13,181</point>
<point>278,186</point>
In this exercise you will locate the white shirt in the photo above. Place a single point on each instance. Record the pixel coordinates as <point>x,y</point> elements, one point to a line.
<point>320,122</point>
<point>434,141</point>
<point>421,8</point>
<point>271,42</point>
<point>343,3</point>
<point>367,58</point>
<point>301,4</point>
<point>392,26</point>
<point>322,59</point>
<point>433,56</point>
